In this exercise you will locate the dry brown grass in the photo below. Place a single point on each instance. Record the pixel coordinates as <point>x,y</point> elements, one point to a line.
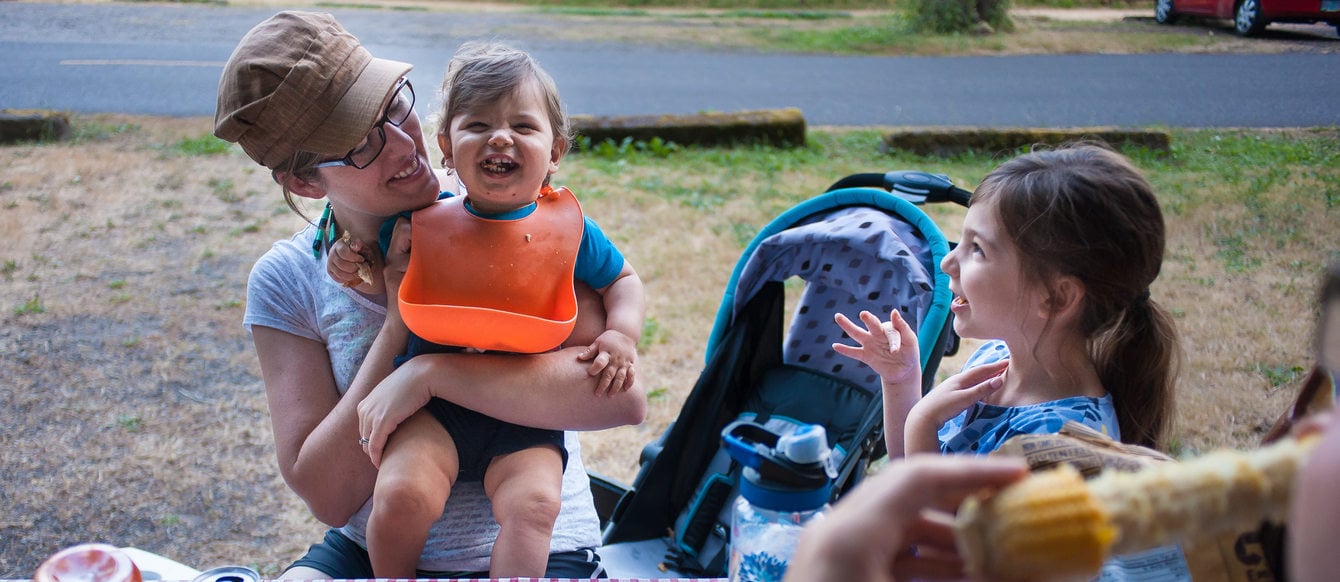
<point>134,413</point>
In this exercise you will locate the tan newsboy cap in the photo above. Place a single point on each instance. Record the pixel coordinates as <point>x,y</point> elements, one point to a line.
<point>300,82</point>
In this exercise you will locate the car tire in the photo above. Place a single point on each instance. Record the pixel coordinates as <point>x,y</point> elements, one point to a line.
<point>1247,18</point>
<point>1164,13</point>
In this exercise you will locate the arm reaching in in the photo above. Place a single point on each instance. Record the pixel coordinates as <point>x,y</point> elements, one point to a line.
<point>897,525</point>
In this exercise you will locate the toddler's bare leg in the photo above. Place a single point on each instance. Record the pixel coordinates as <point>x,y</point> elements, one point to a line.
<point>525,488</point>
<point>418,468</point>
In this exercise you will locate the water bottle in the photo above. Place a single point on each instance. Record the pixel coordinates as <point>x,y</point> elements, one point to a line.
<point>786,483</point>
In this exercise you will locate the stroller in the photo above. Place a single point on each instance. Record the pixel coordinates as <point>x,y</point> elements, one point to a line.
<point>861,245</point>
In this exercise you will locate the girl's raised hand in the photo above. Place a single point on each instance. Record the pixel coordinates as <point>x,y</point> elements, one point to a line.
<point>889,348</point>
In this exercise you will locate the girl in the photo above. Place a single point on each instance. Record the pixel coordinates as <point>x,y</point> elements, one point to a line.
<point>1058,252</point>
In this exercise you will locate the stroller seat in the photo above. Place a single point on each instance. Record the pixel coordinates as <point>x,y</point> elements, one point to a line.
<point>854,249</point>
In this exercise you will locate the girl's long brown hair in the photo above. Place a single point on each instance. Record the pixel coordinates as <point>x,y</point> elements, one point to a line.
<point>1085,211</point>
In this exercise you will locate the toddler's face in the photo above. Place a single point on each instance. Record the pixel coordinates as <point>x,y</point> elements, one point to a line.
<point>503,151</point>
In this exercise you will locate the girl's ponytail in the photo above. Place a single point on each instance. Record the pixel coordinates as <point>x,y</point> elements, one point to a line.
<point>1140,354</point>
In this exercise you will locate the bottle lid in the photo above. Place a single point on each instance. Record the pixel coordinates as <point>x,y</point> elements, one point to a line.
<point>807,445</point>
<point>770,495</point>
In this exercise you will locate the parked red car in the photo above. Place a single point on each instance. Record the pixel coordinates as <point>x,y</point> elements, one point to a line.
<point>1250,17</point>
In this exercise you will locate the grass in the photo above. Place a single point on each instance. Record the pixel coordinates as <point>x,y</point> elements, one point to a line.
<point>142,317</point>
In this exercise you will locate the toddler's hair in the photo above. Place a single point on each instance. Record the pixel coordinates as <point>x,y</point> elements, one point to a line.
<point>483,71</point>
<point>1085,211</point>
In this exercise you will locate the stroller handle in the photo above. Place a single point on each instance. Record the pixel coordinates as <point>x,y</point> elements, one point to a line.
<point>912,186</point>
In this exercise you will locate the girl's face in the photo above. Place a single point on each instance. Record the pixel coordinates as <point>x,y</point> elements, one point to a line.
<point>400,179</point>
<point>504,150</point>
<point>992,299</point>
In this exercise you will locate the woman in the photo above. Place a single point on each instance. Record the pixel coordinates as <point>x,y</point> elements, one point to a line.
<point>306,100</point>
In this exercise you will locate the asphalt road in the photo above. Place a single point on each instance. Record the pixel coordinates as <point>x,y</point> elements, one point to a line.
<point>166,60</point>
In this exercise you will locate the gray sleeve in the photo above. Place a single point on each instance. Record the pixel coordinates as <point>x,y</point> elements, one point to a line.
<point>280,294</point>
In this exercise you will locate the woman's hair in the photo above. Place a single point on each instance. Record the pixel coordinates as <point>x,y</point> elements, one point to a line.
<point>1326,341</point>
<point>481,72</point>
<point>302,166</point>
<point>1085,211</point>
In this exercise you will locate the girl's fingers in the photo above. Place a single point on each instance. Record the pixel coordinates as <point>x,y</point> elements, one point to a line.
<point>977,375</point>
<point>849,326</point>
<point>846,350</point>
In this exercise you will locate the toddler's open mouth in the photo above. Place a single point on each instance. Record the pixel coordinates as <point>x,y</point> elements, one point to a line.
<point>498,165</point>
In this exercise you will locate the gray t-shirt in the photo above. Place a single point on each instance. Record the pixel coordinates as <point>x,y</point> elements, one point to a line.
<point>290,291</point>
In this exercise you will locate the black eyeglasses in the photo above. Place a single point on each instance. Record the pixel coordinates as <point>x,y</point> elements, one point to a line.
<point>397,111</point>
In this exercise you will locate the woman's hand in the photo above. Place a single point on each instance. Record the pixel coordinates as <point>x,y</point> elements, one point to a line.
<point>897,525</point>
<point>889,348</point>
<point>388,405</point>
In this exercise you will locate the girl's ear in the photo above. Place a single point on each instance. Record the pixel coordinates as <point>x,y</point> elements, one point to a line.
<point>305,188</point>
<point>445,145</point>
<point>556,153</point>
<point>1066,298</point>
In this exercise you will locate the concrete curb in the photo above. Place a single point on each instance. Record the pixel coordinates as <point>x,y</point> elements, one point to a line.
<point>777,127</point>
<point>20,125</point>
<point>786,128</point>
<point>950,141</point>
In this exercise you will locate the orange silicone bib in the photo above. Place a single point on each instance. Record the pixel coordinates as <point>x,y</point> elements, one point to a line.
<point>493,284</point>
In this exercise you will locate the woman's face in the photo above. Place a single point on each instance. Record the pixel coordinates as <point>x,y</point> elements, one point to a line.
<point>399,179</point>
<point>992,298</point>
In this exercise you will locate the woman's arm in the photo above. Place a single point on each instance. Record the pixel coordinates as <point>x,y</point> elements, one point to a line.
<point>550,391</point>
<point>898,524</point>
<point>315,430</point>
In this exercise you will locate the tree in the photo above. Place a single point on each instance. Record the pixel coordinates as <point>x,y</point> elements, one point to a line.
<point>950,16</point>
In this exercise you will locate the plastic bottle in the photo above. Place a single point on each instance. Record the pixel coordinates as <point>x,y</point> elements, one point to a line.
<point>786,483</point>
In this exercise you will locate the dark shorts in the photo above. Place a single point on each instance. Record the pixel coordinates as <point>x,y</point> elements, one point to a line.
<point>340,558</point>
<point>479,438</point>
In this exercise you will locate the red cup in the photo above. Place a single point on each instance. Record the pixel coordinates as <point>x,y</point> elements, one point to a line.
<point>88,563</point>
